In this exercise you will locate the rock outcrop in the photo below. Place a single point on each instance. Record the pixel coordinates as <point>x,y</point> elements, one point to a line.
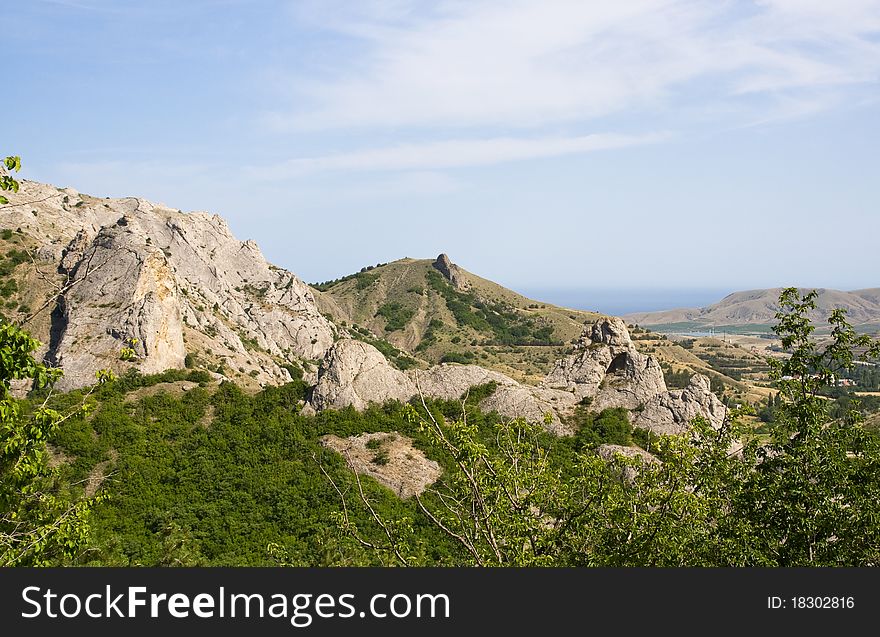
<point>356,374</point>
<point>390,458</point>
<point>607,368</point>
<point>672,412</point>
<point>452,272</point>
<point>128,275</point>
<point>165,283</point>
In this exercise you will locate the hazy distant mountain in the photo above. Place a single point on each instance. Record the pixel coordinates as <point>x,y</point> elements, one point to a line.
<point>758,307</point>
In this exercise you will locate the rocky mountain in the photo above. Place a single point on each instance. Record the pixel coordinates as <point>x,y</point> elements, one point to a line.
<point>758,307</point>
<point>125,283</point>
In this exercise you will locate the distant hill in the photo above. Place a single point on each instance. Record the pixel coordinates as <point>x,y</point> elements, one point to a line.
<point>758,307</point>
<point>437,311</point>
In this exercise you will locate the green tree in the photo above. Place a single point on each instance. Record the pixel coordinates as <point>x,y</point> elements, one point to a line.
<point>814,495</point>
<point>40,523</point>
<point>7,183</point>
<point>811,496</point>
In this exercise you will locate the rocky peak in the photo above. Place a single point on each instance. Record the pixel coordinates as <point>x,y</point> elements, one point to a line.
<point>450,271</point>
<point>672,412</point>
<point>163,283</point>
<point>610,330</point>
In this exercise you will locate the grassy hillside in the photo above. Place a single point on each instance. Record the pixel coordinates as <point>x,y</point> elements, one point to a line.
<point>417,309</point>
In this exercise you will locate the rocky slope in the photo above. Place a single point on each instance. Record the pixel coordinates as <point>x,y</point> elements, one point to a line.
<point>128,284</point>
<point>758,307</point>
<point>127,274</point>
<point>605,371</point>
<point>389,458</point>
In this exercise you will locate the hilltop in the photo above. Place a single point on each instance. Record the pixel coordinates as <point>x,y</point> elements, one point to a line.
<point>437,311</point>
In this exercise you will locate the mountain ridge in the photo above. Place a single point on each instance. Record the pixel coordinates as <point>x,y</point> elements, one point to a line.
<point>759,306</point>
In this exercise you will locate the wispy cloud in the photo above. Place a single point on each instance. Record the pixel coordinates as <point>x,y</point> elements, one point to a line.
<point>448,154</point>
<point>530,64</point>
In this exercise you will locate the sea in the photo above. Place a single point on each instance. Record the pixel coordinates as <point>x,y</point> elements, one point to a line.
<point>620,301</point>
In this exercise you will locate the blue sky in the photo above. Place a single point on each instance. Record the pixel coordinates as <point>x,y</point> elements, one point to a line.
<point>556,144</point>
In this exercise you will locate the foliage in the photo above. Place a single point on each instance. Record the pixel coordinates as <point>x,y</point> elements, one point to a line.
<point>676,379</point>
<point>430,336</point>
<point>503,325</point>
<point>458,357</point>
<point>396,315</point>
<point>363,279</point>
<point>811,496</point>
<point>39,522</point>
<point>180,462</point>
<point>7,182</point>
<point>510,493</point>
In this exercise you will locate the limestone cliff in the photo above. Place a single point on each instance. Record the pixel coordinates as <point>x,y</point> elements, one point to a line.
<point>127,273</point>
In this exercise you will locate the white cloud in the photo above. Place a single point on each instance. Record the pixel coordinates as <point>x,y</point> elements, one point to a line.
<point>531,64</point>
<point>448,154</point>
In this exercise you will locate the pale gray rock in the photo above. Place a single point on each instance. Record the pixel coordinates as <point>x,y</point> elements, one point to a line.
<point>612,331</point>
<point>510,399</point>
<point>355,374</point>
<point>533,404</point>
<point>631,380</point>
<point>674,411</point>
<point>582,372</point>
<point>450,381</point>
<point>607,368</point>
<point>123,296</point>
<point>177,282</point>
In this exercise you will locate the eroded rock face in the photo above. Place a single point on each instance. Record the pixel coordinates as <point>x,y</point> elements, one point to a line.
<point>449,270</point>
<point>390,458</point>
<point>534,404</point>
<point>611,331</point>
<point>631,380</point>
<point>177,282</point>
<point>124,295</point>
<point>674,411</point>
<point>449,381</point>
<point>606,367</point>
<point>356,374</point>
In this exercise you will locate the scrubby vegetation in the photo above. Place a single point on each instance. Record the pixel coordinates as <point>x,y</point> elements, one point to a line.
<point>501,324</point>
<point>363,279</point>
<point>396,315</point>
<point>189,471</point>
